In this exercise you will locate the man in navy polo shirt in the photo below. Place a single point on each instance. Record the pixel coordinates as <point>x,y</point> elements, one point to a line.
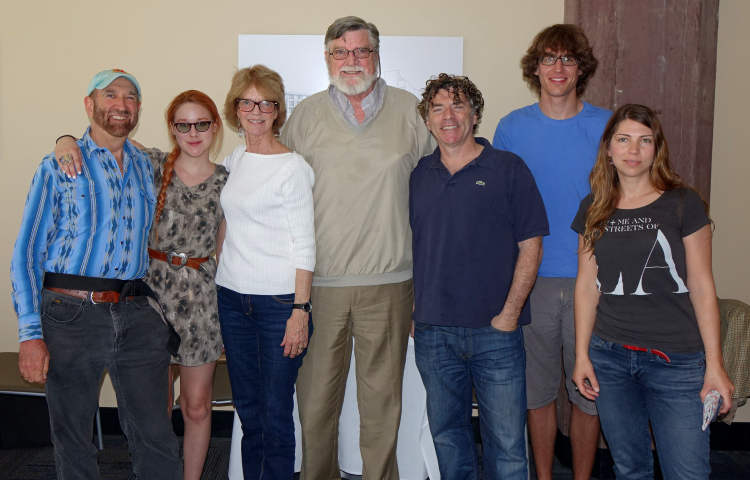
<point>477,219</point>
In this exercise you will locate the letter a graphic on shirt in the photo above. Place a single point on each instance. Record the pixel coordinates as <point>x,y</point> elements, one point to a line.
<point>667,249</point>
<point>619,289</point>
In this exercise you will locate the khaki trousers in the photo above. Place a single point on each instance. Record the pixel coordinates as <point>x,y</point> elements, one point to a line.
<point>378,317</point>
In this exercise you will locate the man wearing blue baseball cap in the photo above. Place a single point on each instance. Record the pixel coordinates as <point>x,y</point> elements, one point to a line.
<point>82,305</point>
<point>102,80</point>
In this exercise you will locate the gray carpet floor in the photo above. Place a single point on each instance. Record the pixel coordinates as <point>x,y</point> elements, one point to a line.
<point>114,463</point>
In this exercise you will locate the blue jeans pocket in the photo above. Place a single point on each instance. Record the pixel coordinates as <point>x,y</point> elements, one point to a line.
<point>420,326</point>
<point>599,344</point>
<point>504,332</point>
<point>682,360</point>
<point>287,299</point>
<point>60,308</point>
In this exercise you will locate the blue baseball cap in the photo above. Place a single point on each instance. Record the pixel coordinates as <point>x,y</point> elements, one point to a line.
<point>105,77</point>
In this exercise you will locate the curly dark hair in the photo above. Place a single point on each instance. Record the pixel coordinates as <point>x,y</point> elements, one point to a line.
<point>456,85</point>
<point>559,38</point>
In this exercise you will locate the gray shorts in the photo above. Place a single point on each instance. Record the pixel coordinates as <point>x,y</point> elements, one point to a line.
<point>552,329</point>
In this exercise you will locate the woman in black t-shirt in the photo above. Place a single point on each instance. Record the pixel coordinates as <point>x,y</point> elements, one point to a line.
<point>647,320</point>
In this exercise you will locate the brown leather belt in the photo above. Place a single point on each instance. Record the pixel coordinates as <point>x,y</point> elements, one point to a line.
<point>94,297</point>
<point>177,260</point>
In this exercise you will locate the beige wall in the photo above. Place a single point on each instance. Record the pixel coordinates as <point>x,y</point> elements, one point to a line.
<point>730,188</point>
<point>50,50</point>
<point>730,185</point>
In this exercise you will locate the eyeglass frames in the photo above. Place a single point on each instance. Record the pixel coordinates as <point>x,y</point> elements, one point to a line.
<point>247,105</point>
<point>549,60</point>
<point>184,127</point>
<point>343,54</point>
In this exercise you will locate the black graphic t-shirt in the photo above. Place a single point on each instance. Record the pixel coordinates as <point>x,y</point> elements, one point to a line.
<point>642,275</point>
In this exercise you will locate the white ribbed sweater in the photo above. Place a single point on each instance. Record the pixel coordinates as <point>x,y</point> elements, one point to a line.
<point>268,205</point>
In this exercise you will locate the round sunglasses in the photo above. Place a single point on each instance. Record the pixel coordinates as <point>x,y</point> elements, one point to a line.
<point>184,127</point>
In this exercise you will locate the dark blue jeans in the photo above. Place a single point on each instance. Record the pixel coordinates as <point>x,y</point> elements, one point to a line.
<point>636,388</point>
<point>452,361</point>
<point>129,340</point>
<point>262,379</point>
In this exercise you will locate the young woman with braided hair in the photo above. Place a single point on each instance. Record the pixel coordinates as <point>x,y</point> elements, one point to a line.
<point>187,222</point>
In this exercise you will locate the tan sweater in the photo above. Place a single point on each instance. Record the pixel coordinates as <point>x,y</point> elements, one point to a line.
<point>361,191</point>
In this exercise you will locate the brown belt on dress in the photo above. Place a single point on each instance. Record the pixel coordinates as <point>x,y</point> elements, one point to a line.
<point>94,297</point>
<point>177,260</point>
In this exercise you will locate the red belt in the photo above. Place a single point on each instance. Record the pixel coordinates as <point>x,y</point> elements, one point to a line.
<point>177,260</point>
<point>94,297</point>
<point>655,352</point>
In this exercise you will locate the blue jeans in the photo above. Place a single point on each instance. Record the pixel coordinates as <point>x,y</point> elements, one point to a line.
<point>638,387</point>
<point>129,339</point>
<point>262,379</point>
<point>452,360</point>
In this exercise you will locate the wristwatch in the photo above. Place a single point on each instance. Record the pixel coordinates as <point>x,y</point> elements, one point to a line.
<point>305,307</point>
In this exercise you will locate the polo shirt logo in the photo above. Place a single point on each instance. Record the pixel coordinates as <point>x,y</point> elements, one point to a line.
<point>480,183</point>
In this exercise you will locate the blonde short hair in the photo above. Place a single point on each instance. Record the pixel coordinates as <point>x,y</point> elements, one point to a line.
<point>267,82</point>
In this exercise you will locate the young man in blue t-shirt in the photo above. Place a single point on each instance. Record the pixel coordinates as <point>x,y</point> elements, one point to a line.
<point>558,139</point>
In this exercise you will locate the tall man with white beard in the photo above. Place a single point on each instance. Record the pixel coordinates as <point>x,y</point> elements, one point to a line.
<point>362,139</point>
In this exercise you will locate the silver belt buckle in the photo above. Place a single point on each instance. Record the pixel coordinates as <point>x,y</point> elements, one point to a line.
<point>91,298</point>
<point>183,260</point>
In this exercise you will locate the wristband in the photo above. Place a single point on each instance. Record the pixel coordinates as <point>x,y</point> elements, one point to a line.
<point>71,136</point>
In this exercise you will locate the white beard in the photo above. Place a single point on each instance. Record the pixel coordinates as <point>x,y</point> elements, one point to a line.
<point>360,84</point>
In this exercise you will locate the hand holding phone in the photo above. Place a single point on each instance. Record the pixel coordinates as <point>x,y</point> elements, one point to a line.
<point>711,406</point>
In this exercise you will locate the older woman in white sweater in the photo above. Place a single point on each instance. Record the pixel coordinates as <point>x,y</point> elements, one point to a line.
<point>265,270</point>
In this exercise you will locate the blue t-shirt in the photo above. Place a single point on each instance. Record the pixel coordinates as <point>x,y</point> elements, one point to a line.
<point>465,233</point>
<point>560,154</point>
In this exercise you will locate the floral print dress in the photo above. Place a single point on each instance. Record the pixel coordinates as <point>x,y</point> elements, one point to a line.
<point>189,224</point>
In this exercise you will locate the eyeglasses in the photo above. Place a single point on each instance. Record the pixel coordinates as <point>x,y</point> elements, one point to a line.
<point>247,105</point>
<point>550,60</point>
<point>184,127</point>
<point>343,54</point>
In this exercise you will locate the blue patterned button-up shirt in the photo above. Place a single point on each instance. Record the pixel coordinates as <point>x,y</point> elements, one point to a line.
<point>95,225</point>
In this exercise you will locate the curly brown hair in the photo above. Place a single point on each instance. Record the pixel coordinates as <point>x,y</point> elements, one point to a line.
<point>455,85</point>
<point>559,38</point>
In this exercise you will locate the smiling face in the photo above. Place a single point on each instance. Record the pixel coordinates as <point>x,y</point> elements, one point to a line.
<point>256,123</point>
<point>114,108</point>
<point>632,149</point>
<point>558,80</point>
<point>451,122</point>
<point>193,143</point>
<point>352,76</point>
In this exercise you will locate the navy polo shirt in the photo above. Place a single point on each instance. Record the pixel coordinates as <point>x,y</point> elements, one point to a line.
<point>466,228</point>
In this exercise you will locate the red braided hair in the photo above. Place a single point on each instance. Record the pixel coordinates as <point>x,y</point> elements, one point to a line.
<point>189,96</point>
